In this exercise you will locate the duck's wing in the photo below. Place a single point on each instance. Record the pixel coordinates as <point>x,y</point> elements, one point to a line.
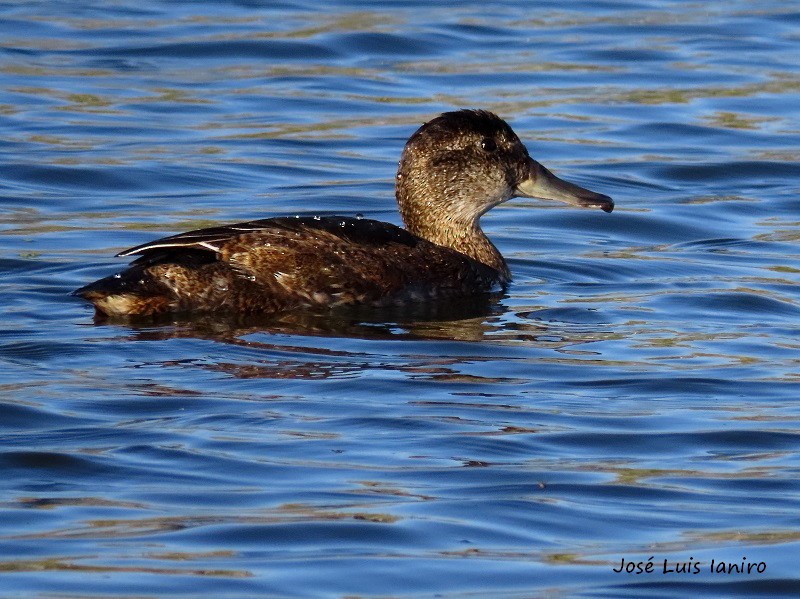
<point>209,239</point>
<point>213,239</point>
<point>252,249</point>
<point>318,259</point>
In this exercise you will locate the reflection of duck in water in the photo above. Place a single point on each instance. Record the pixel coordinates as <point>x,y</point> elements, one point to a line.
<point>452,170</point>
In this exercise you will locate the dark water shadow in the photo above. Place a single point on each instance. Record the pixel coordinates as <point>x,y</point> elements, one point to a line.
<point>463,320</point>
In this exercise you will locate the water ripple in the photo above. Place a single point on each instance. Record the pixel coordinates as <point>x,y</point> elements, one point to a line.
<point>632,394</point>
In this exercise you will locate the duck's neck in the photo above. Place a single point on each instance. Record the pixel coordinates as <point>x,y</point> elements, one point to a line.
<point>474,243</point>
<point>444,223</point>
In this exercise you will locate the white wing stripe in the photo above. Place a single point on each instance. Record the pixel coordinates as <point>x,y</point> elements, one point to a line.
<point>208,245</point>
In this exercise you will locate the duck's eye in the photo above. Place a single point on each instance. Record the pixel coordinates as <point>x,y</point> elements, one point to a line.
<point>488,144</point>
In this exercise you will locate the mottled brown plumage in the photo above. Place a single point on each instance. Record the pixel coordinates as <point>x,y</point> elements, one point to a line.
<point>452,170</point>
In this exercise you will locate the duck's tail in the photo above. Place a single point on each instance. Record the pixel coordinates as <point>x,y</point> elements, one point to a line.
<point>131,292</point>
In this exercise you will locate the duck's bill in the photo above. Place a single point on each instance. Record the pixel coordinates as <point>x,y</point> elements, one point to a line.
<point>544,185</point>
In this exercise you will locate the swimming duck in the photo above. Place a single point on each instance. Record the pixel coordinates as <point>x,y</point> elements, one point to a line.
<point>452,170</point>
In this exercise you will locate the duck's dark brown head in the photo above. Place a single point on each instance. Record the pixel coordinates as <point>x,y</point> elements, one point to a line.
<point>459,165</point>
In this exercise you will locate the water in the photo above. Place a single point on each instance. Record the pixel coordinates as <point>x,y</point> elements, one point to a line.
<point>633,395</point>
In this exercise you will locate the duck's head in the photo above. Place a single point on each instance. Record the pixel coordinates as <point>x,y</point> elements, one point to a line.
<point>460,164</point>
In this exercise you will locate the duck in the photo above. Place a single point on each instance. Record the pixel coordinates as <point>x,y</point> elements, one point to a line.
<point>452,170</point>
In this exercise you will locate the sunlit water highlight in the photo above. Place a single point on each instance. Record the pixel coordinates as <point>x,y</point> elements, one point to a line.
<point>633,395</point>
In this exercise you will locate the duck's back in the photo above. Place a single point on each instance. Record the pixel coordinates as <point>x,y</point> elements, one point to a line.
<point>278,264</point>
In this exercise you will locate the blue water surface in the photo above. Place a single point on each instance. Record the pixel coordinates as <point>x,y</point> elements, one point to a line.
<point>633,396</point>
